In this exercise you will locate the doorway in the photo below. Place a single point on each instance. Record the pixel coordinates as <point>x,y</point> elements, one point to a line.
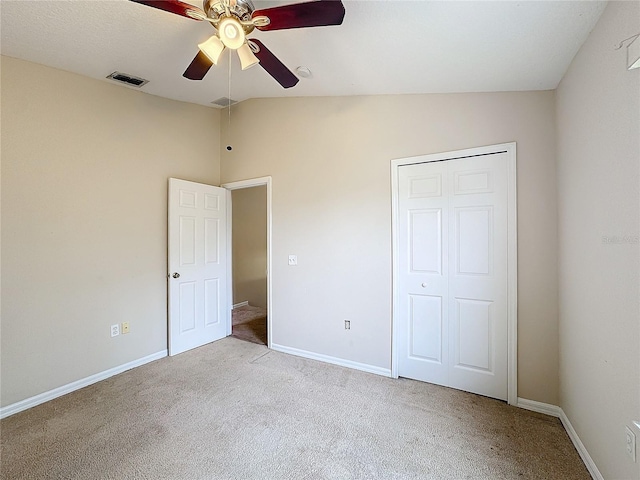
<point>249,231</point>
<point>454,270</point>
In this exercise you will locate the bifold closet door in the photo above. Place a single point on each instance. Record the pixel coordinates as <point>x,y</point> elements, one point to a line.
<point>453,273</point>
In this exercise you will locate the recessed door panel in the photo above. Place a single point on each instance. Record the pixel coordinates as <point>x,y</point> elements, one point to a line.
<point>425,238</point>
<point>188,199</point>
<point>187,306</point>
<point>211,202</point>
<point>211,240</point>
<point>469,182</point>
<point>425,186</point>
<point>187,241</point>
<point>425,327</point>
<point>474,240</point>
<point>211,301</point>
<point>474,334</point>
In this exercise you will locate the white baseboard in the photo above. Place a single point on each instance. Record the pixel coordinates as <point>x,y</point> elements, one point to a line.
<point>78,384</point>
<point>584,454</point>
<point>385,372</point>
<point>555,411</point>
<point>241,304</point>
<point>539,407</point>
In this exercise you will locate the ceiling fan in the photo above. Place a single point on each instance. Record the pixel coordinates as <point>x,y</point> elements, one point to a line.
<point>235,19</point>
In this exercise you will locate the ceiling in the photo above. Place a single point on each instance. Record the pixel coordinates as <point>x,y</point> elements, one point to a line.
<point>383,47</point>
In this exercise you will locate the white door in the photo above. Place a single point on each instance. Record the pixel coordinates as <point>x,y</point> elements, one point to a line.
<point>197,265</point>
<point>452,273</point>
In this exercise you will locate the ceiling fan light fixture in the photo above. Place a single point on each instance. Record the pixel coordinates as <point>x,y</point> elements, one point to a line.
<point>246,56</point>
<point>231,33</point>
<point>212,48</point>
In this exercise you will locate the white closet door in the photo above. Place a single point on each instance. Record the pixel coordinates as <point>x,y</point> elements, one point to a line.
<point>453,273</point>
<point>423,346</point>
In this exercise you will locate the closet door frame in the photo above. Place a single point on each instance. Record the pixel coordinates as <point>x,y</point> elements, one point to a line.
<point>512,253</point>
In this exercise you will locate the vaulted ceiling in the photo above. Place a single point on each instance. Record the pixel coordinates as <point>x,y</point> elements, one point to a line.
<point>383,47</point>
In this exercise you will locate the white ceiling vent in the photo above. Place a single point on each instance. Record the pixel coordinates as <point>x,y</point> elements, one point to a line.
<point>128,79</point>
<point>224,102</point>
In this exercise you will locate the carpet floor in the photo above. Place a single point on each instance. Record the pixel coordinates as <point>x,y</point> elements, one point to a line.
<point>236,410</point>
<point>250,323</point>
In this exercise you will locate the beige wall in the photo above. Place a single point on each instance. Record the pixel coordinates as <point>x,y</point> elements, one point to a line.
<point>249,207</point>
<point>330,163</point>
<point>598,112</point>
<point>84,189</point>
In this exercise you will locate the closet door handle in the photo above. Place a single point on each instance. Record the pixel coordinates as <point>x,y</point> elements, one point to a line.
<point>176,275</point>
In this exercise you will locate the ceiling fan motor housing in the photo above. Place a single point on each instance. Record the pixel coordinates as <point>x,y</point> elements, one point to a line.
<point>241,9</point>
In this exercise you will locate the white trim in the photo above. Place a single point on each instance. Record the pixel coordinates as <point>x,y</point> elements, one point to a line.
<point>254,182</point>
<point>395,242</point>
<point>385,372</point>
<point>229,317</point>
<point>557,412</point>
<point>512,275</point>
<point>582,451</point>
<point>539,407</point>
<point>241,304</point>
<point>77,385</point>
<point>512,253</point>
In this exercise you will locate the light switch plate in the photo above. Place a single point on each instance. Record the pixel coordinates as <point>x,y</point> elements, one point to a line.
<point>293,259</point>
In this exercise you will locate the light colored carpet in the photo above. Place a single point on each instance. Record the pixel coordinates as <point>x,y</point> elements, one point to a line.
<point>236,410</point>
<point>250,324</point>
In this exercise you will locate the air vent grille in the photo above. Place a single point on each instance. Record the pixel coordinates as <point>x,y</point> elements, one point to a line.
<point>128,79</point>
<point>224,102</point>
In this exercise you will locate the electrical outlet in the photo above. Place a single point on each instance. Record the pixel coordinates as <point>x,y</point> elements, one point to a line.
<point>347,324</point>
<point>293,259</point>
<point>115,330</point>
<point>125,327</point>
<point>631,443</point>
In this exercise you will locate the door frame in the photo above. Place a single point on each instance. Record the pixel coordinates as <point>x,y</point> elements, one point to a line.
<point>252,182</point>
<point>512,251</point>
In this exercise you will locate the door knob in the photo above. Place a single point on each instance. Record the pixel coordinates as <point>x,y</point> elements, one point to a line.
<point>176,275</point>
<point>424,285</point>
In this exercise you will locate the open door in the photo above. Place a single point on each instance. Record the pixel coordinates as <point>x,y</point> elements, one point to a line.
<point>198,310</point>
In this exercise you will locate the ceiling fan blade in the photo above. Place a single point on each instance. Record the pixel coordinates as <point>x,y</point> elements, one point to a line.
<point>198,67</point>
<point>174,6</point>
<point>273,66</point>
<point>318,13</point>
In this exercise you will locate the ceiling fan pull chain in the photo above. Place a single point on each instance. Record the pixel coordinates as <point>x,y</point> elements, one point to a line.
<point>229,97</point>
